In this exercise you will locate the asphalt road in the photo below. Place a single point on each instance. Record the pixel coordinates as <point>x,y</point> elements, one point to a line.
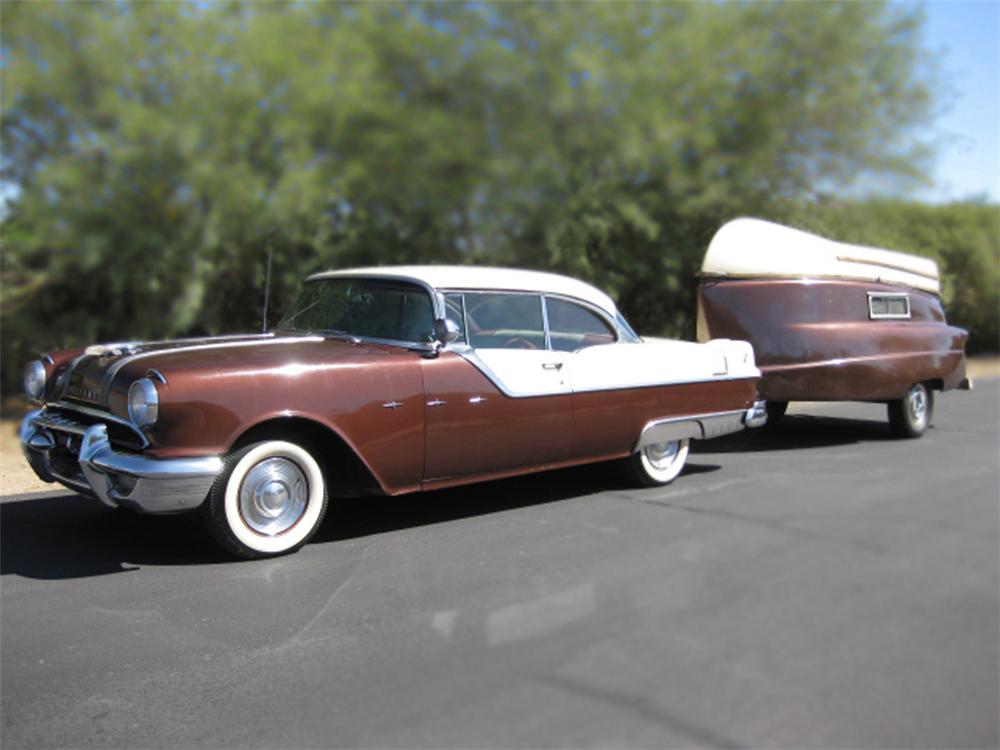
<point>823,586</point>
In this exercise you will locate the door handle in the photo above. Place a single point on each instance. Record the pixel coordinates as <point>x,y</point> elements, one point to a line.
<point>552,366</point>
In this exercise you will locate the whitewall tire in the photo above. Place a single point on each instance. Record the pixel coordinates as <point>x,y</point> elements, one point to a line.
<point>660,463</point>
<point>269,500</point>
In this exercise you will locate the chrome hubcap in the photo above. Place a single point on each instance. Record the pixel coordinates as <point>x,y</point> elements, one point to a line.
<point>273,496</point>
<point>917,404</point>
<point>661,455</point>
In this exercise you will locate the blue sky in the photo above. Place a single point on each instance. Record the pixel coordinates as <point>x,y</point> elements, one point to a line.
<point>967,34</point>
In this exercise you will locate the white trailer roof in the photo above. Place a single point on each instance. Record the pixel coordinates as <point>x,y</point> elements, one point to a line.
<point>753,248</point>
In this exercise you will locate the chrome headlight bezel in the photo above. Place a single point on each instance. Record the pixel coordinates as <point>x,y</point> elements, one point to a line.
<point>34,380</point>
<point>143,403</point>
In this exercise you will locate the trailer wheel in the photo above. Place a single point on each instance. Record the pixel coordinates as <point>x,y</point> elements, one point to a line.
<point>910,416</point>
<point>776,412</point>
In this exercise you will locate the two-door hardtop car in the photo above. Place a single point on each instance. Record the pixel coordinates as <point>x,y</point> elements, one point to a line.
<point>389,380</point>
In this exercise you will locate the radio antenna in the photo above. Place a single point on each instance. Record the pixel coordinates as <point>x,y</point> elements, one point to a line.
<point>267,283</point>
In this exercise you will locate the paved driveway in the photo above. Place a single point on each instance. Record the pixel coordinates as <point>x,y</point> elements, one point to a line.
<point>823,586</point>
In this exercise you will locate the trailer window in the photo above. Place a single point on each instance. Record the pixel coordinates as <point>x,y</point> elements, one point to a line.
<point>883,305</point>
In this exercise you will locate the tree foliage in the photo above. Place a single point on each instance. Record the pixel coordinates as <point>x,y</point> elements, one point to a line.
<point>154,151</point>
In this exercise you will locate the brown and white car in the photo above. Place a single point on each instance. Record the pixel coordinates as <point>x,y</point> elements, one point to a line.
<point>389,380</point>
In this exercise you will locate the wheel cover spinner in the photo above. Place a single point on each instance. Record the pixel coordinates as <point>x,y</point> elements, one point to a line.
<point>273,496</point>
<point>662,455</point>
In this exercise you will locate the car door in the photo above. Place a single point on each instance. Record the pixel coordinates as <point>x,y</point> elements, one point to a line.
<point>499,400</point>
<point>610,381</point>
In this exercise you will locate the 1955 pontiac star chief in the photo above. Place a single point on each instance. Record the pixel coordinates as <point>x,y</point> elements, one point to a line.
<point>387,380</point>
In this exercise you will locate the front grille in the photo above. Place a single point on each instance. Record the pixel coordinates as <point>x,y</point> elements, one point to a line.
<point>68,423</point>
<point>83,394</point>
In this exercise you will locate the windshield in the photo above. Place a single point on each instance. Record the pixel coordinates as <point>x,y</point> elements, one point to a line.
<point>372,308</point>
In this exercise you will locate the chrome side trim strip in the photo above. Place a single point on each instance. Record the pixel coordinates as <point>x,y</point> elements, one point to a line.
<point>469,354</point>
<point>694,426</point>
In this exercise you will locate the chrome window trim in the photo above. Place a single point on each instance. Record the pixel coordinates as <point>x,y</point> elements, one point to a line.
<point>545,323</point>
<point>495,293</point>
<point>872,315</point>
<point>437,299</point>
<point>611,325</point>
<point>610,322</point>
<point>461,302</point>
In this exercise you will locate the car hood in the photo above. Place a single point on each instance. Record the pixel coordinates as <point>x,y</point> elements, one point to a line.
<point>108,369</point>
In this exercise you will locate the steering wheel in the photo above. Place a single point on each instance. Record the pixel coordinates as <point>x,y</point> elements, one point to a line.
<point>518,342</point>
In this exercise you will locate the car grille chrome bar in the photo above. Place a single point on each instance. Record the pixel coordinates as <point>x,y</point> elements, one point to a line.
<point>59,417</point>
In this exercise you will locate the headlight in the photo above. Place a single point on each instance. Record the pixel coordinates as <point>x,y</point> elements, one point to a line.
<point>143,403</point>
<point>34,380</point>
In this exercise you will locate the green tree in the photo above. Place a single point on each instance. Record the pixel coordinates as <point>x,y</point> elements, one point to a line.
<point>153,151</point>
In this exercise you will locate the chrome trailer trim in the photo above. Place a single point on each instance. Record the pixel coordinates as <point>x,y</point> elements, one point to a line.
<point>127,480</point>
<point>700,426</point>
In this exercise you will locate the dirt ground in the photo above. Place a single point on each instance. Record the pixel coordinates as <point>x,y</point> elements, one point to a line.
<point>17,477</point>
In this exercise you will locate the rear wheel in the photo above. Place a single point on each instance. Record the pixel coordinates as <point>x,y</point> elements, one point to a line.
<point>910,416</point>
<point>659,463</point>
<point>269,500</point>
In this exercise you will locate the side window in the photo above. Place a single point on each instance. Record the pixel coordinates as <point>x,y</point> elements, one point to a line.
<point>504,321</point>
<point>573,327</point>
<point>455,310</point>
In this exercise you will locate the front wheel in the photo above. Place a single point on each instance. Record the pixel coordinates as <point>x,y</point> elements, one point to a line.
<point>659,463</point>
<point>269,500</point>
<point>911,415</point>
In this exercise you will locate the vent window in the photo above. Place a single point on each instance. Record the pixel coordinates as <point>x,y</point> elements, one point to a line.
<point>881,306</point>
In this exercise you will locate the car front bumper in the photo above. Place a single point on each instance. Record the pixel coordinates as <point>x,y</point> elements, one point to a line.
<point>118,479</point>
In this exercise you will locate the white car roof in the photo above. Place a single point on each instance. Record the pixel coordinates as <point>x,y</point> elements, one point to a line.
<point>756,248</point>
<point>466,278</point>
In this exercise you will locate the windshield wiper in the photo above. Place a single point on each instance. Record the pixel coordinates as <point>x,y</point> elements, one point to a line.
<point>336,333</point>
<point>282,324</point>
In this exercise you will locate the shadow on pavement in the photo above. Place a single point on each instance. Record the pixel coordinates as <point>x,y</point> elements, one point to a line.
<point>374,515</point>
<point>799,431</point>
<point>66,536</point>
<point>69,536</point>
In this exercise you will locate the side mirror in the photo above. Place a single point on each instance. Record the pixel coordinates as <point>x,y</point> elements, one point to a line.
<point>446,330</point>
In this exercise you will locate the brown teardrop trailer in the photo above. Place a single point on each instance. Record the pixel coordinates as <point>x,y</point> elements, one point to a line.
<point>832,322</point>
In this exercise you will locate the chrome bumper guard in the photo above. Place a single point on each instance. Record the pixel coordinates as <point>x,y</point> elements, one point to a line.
<point>127,480</point>
<point>701,426</point>
<point>756,415</point>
